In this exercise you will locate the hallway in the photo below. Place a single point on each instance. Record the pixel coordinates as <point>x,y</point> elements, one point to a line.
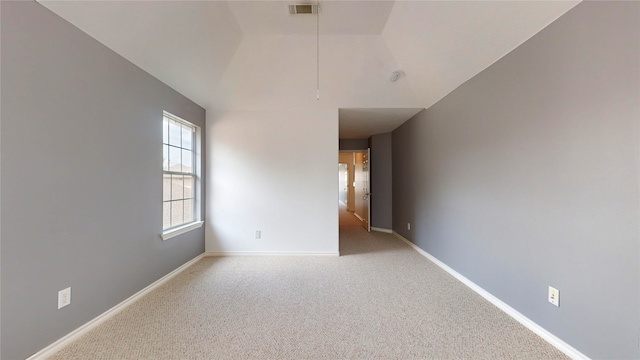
<point>354,239</point>
<point>348,219</point>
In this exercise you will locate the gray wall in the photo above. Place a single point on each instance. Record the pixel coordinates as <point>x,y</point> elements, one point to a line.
<point>353,144</point>
<point>81,178</point>
<point>380,172</point>
<point>527,176</point>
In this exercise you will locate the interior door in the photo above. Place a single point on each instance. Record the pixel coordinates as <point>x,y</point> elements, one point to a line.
<point>366,193</point>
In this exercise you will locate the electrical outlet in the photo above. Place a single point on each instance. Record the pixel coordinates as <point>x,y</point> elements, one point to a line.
<point>408,226</point>
<point>554,296</point>
<point>64,297</point>
<point>258,234</point>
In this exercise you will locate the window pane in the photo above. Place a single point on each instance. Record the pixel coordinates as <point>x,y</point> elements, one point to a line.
<point>187,161</point>
<point>166,187</point>
<point>175,159</point>
<point>177,213</point>
<point>177,192</point>
<point>165,131</point>
<point>188,187</point>
<point>166,215</point>
<point>174,133</point>
<point>187,137</point>
<point>188,211</point>
<point>165,157</point>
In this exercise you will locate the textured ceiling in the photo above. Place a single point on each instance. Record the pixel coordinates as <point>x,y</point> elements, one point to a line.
<point>254,56</point>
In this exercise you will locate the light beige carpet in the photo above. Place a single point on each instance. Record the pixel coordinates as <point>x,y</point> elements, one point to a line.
<point>380,300</point>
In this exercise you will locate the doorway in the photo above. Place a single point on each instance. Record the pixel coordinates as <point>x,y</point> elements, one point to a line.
<point>347,158</point>
<point>343,181</point>
<point>353,167</point>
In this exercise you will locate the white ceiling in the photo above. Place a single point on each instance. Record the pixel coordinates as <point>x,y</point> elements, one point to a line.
<point>336,17</point>
<point>362,123</point>
<point>185,44</point>
<point>254,56</point>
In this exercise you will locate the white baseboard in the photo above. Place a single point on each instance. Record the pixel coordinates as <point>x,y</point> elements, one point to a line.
<point>269,253</point>
<point>67,339</point>
<point>528,323</point>
<point>388,231</point>
<point>358,216</point>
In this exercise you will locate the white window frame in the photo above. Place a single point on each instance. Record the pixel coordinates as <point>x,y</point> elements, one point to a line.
<point>196,173</point>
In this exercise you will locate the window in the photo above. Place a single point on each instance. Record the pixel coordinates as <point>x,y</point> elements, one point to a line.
<point>180,176</point>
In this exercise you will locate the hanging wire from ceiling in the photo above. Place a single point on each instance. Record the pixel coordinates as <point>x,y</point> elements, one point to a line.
<point>317,49</point>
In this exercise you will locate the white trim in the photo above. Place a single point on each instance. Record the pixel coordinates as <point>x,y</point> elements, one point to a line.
<point>270,253</point>
<point>358,216</point>
<point>515,314</point>
<point>388,231</point>
<point>75,334</point>
<point>181,230</point>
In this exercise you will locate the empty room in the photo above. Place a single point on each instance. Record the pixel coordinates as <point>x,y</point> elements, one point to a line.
<point>168,183</point>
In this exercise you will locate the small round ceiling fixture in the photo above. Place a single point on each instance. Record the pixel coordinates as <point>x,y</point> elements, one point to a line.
<point>394,76</point>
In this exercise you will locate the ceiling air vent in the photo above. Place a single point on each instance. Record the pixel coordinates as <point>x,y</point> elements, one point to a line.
<point>303,9</point>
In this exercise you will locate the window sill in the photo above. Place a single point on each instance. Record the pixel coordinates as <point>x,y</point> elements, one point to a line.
<point>181,230</point>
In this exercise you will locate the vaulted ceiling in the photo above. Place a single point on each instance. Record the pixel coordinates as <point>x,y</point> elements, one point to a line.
<point>254,56</point>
